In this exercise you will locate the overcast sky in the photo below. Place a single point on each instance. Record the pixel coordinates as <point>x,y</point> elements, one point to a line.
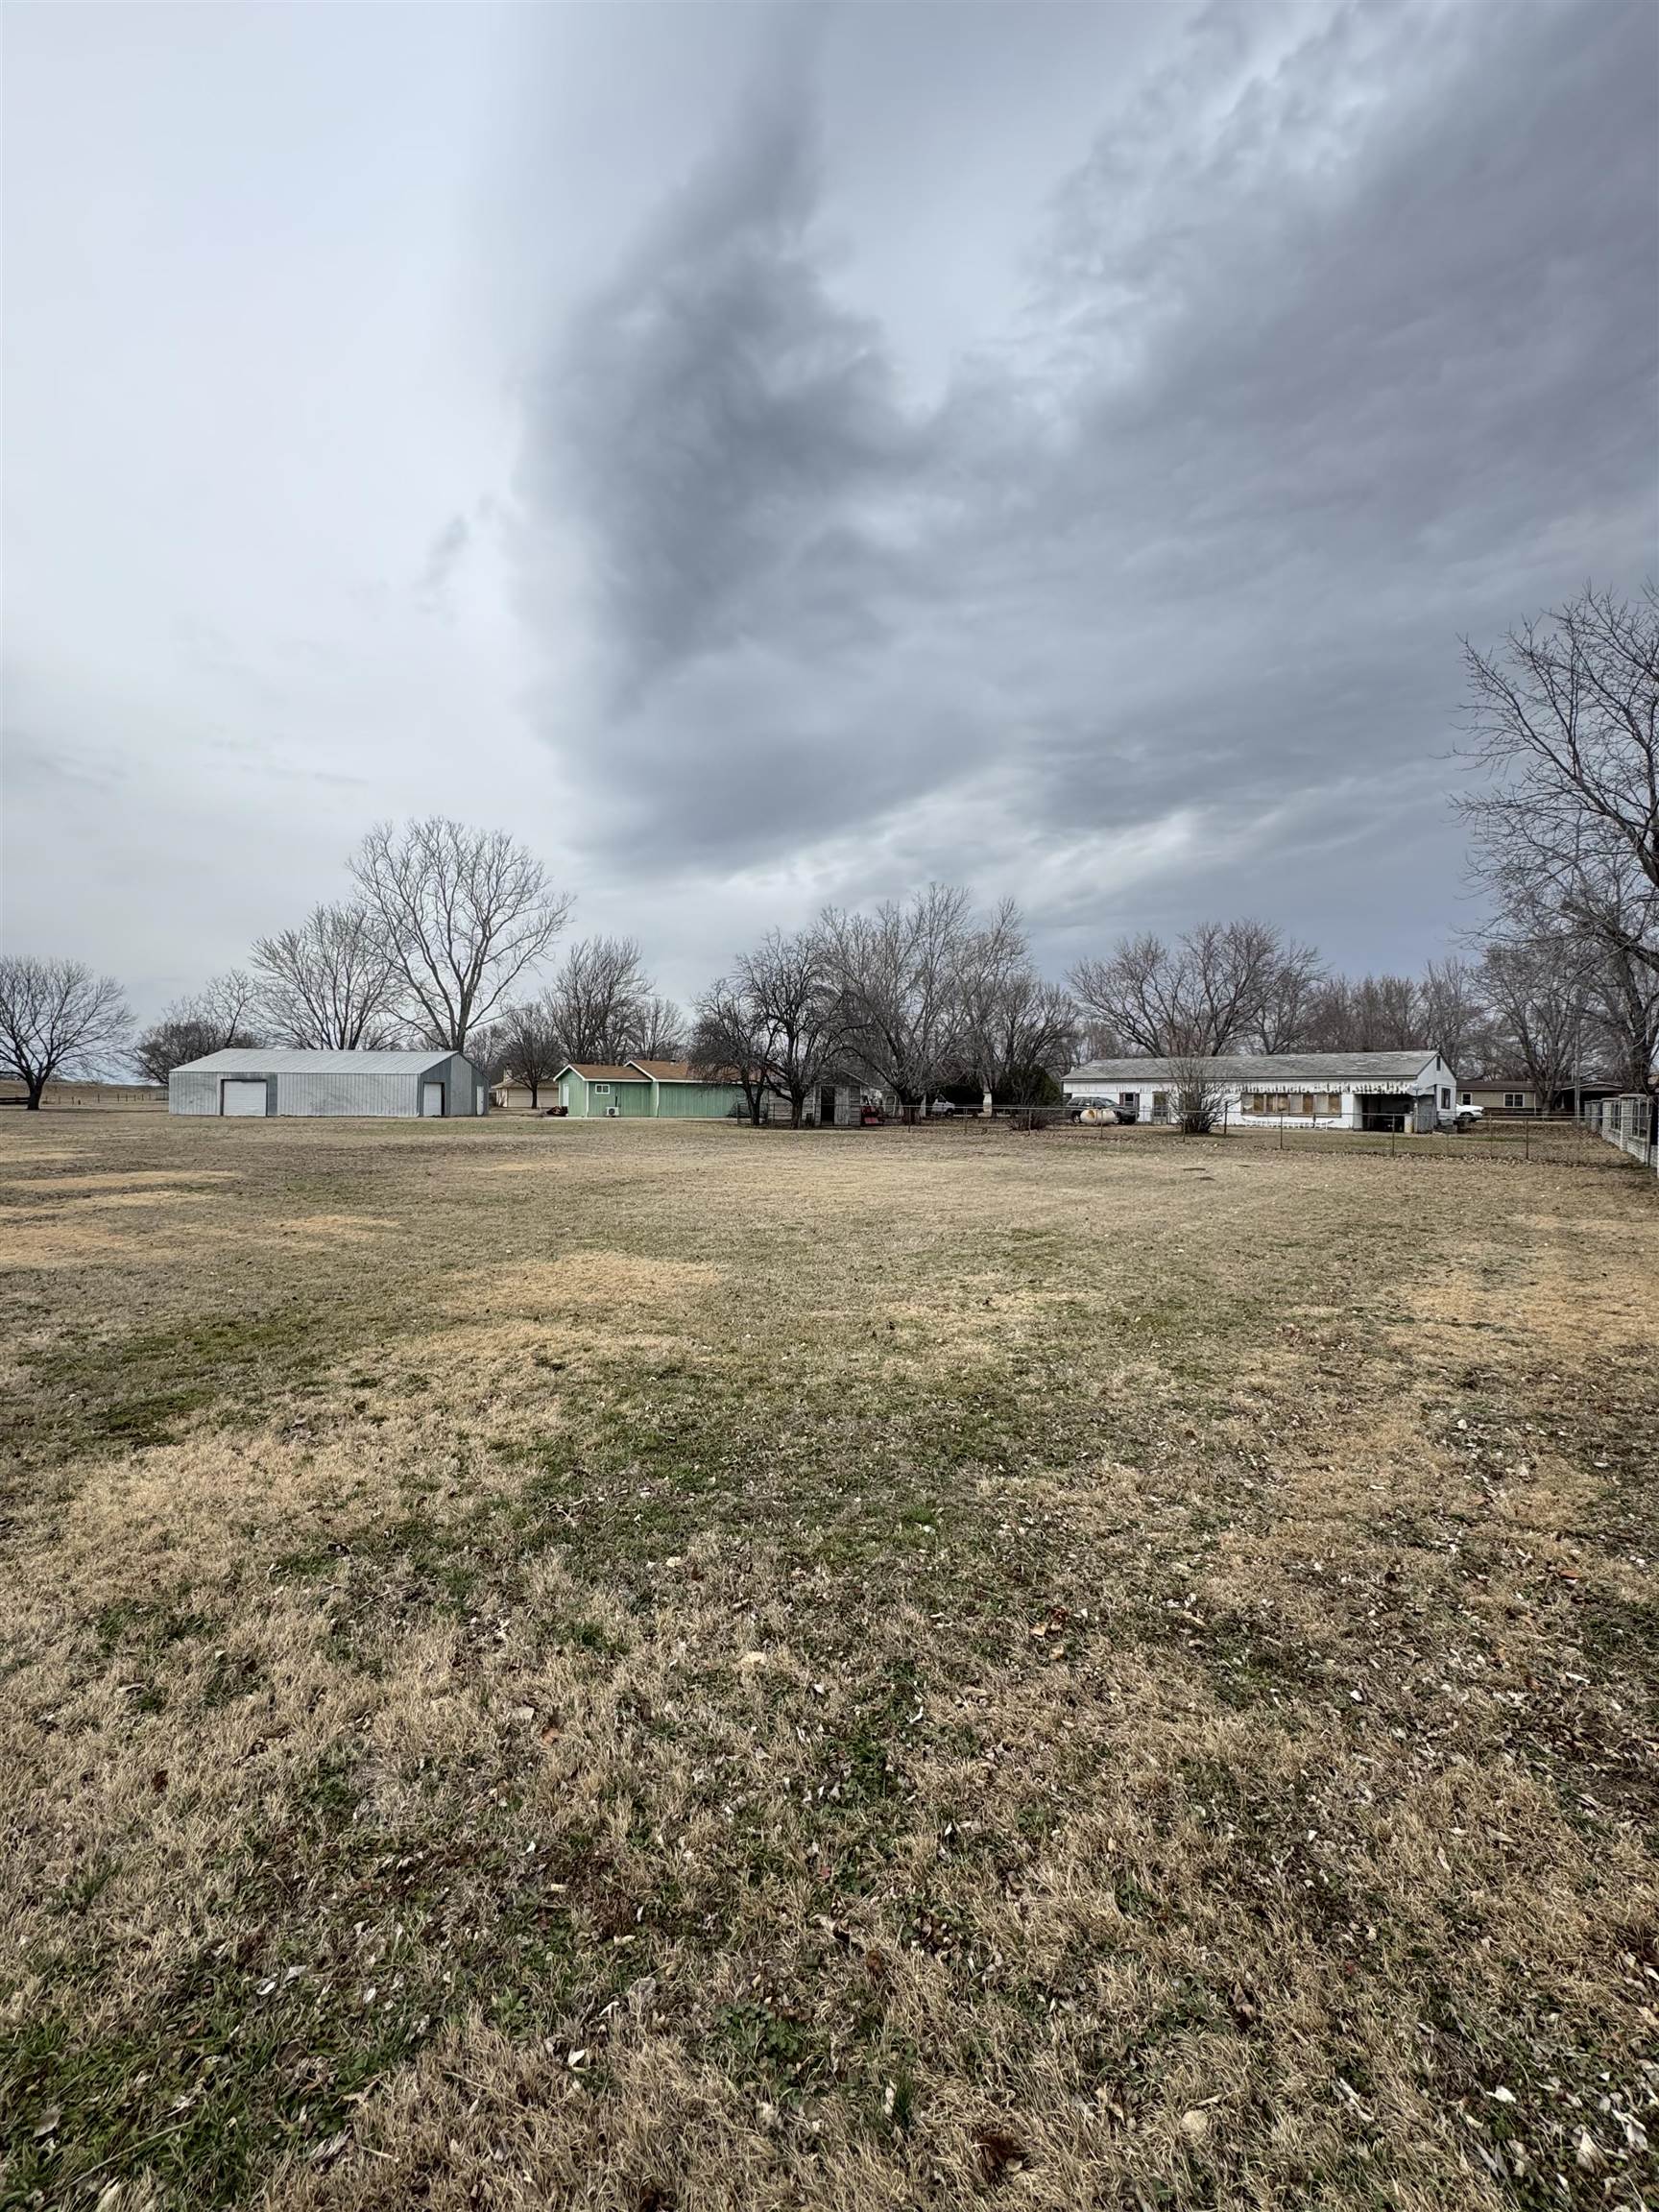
<point>770,454</point>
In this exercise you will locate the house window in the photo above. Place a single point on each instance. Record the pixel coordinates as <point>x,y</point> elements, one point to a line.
<point>1446,1094</point>
<point>1514,1097</point>
<point>1467,1100</point>
<point>1281,1103</point>
<point>1333,1101</point>
<point>1129,1099</point>
<point>1307,1104</point>
<point>1160,1105</point>
<point>1258,1103</point>
<point>601,1089</point>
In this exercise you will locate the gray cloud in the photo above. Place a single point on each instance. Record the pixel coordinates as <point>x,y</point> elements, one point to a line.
<point>1343,341</point>
<point>722,422</point>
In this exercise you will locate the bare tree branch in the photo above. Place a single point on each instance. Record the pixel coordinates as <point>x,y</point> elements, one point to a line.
<point>1562,723</point>
<point>599,1002</point>
<point>332,984</point>
<point>1217,991</point>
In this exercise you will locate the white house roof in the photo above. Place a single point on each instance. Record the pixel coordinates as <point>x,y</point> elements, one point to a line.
<point>1270,1070</point>
<point>287,1060</point>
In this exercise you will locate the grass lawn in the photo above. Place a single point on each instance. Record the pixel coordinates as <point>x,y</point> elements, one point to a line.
<point>662,1668</point>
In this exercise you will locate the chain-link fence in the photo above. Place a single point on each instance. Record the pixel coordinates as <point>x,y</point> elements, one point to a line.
<point>1627,1122</point>
<point>1607,1133</point>
<point>1525,1140</point>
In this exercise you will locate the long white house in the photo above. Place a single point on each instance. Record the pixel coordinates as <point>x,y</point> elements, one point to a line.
<point>1413,1090</point>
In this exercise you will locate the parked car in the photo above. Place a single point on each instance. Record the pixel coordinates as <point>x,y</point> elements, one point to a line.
<point>1466,1116</point>
<point>941,1107</point>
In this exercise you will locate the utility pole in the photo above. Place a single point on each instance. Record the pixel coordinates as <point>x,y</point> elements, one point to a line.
<point>1577,1061</point>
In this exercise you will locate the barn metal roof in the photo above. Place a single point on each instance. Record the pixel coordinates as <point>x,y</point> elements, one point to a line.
<point>288,1060</point>
<point>1268,1067</point>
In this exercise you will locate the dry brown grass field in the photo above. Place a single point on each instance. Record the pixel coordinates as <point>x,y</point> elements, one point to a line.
<point>657,1668</point>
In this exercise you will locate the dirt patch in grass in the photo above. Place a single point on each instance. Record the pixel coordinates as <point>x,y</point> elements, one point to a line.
<point>904,1670</point>
<point>105,1201</point>
<point>333,1224</point>
<point>118,1179</point>
<point>35,1241</point>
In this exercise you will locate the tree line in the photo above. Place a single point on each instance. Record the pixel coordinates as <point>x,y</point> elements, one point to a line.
<point>445,934</point>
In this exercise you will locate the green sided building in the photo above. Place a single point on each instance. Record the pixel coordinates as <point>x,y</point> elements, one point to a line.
<point>645,1090</point>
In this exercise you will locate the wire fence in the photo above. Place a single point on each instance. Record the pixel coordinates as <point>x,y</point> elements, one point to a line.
<point>1629,1122</point>
<point>1522,1142</point>
<point>1606,1135</point>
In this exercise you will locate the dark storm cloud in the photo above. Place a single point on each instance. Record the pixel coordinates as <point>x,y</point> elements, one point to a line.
<point>721,419</point>
<point>1345,343</point>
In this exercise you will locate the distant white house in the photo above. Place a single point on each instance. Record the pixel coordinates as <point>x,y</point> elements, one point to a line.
<point>1413,1090</point>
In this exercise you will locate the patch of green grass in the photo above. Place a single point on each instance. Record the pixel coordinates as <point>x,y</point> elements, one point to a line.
<point>146,1387</point>
<point>773,2048</point>
<point>147,1625</point>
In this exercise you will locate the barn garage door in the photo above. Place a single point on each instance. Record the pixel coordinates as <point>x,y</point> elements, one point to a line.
<point>242,1098</point>
<point>431,1097</point>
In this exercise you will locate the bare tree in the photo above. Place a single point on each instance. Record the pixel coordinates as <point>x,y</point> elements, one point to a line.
<point>659,1031</point>
<point>1563,720</point>
<point>1454,1014</point>
<point>461,913</point>
<point>598,998</point>
<point>221,1015</point>
<point>58,1017</point>
<point>333,983</point>
<point>1367,1014</point>
<point>1289,993</point>
<point>730,1045</point>
<point>793,1011</point>
<point>1096,1039</point>
<point>1200,1090</point>
<point>487,1049</point>
<point>1537,993</point>
<point>1019,1033</point>
<point>1624,1018</point>
<point>1210,993</point>
<point>1619,987</point>
<point>898,975</point>
<point>531,1044</point>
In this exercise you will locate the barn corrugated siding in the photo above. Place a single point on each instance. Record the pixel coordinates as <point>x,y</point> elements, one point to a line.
<point>394,1097</point>
<point>192,1091</point>
<point>696,1101</point>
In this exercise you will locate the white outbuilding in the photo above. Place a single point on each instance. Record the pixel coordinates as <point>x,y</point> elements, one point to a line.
<point>266,1080</point>
<point>1412,1090</point>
